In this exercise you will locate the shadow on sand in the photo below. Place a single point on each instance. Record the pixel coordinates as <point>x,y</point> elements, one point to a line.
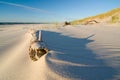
<point>70,58</point>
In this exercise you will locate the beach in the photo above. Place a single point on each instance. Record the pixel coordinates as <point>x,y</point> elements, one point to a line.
<point>77,52</point>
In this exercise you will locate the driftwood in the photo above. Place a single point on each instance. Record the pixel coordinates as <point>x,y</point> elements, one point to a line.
<point>67,23</point>
<point>35,54</point>
<point>91,22</point>
<point>37,47</point>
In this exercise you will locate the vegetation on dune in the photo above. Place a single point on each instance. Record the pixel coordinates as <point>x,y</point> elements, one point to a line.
<point>115,19</point>
<point>113,14</point>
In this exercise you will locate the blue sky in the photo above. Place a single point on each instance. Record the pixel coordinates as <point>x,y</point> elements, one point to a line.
<point>52,10</point>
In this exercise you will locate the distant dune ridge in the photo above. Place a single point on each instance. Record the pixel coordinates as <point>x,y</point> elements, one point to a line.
<point>112,16</point>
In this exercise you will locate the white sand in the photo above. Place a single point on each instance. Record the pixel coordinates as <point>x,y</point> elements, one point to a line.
<point>77,53</point>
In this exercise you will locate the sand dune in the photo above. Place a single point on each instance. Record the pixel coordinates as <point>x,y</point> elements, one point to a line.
<point>76,53</point>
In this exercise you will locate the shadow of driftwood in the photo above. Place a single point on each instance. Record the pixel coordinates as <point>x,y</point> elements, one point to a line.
<point>71,58</point>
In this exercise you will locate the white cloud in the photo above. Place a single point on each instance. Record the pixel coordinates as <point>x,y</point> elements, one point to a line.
<point>27,7</point>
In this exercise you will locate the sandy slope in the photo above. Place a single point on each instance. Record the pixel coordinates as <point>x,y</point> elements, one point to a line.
<point>77,53</point>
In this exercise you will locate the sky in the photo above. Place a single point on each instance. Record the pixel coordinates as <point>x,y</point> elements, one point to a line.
<point>53,10</point>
